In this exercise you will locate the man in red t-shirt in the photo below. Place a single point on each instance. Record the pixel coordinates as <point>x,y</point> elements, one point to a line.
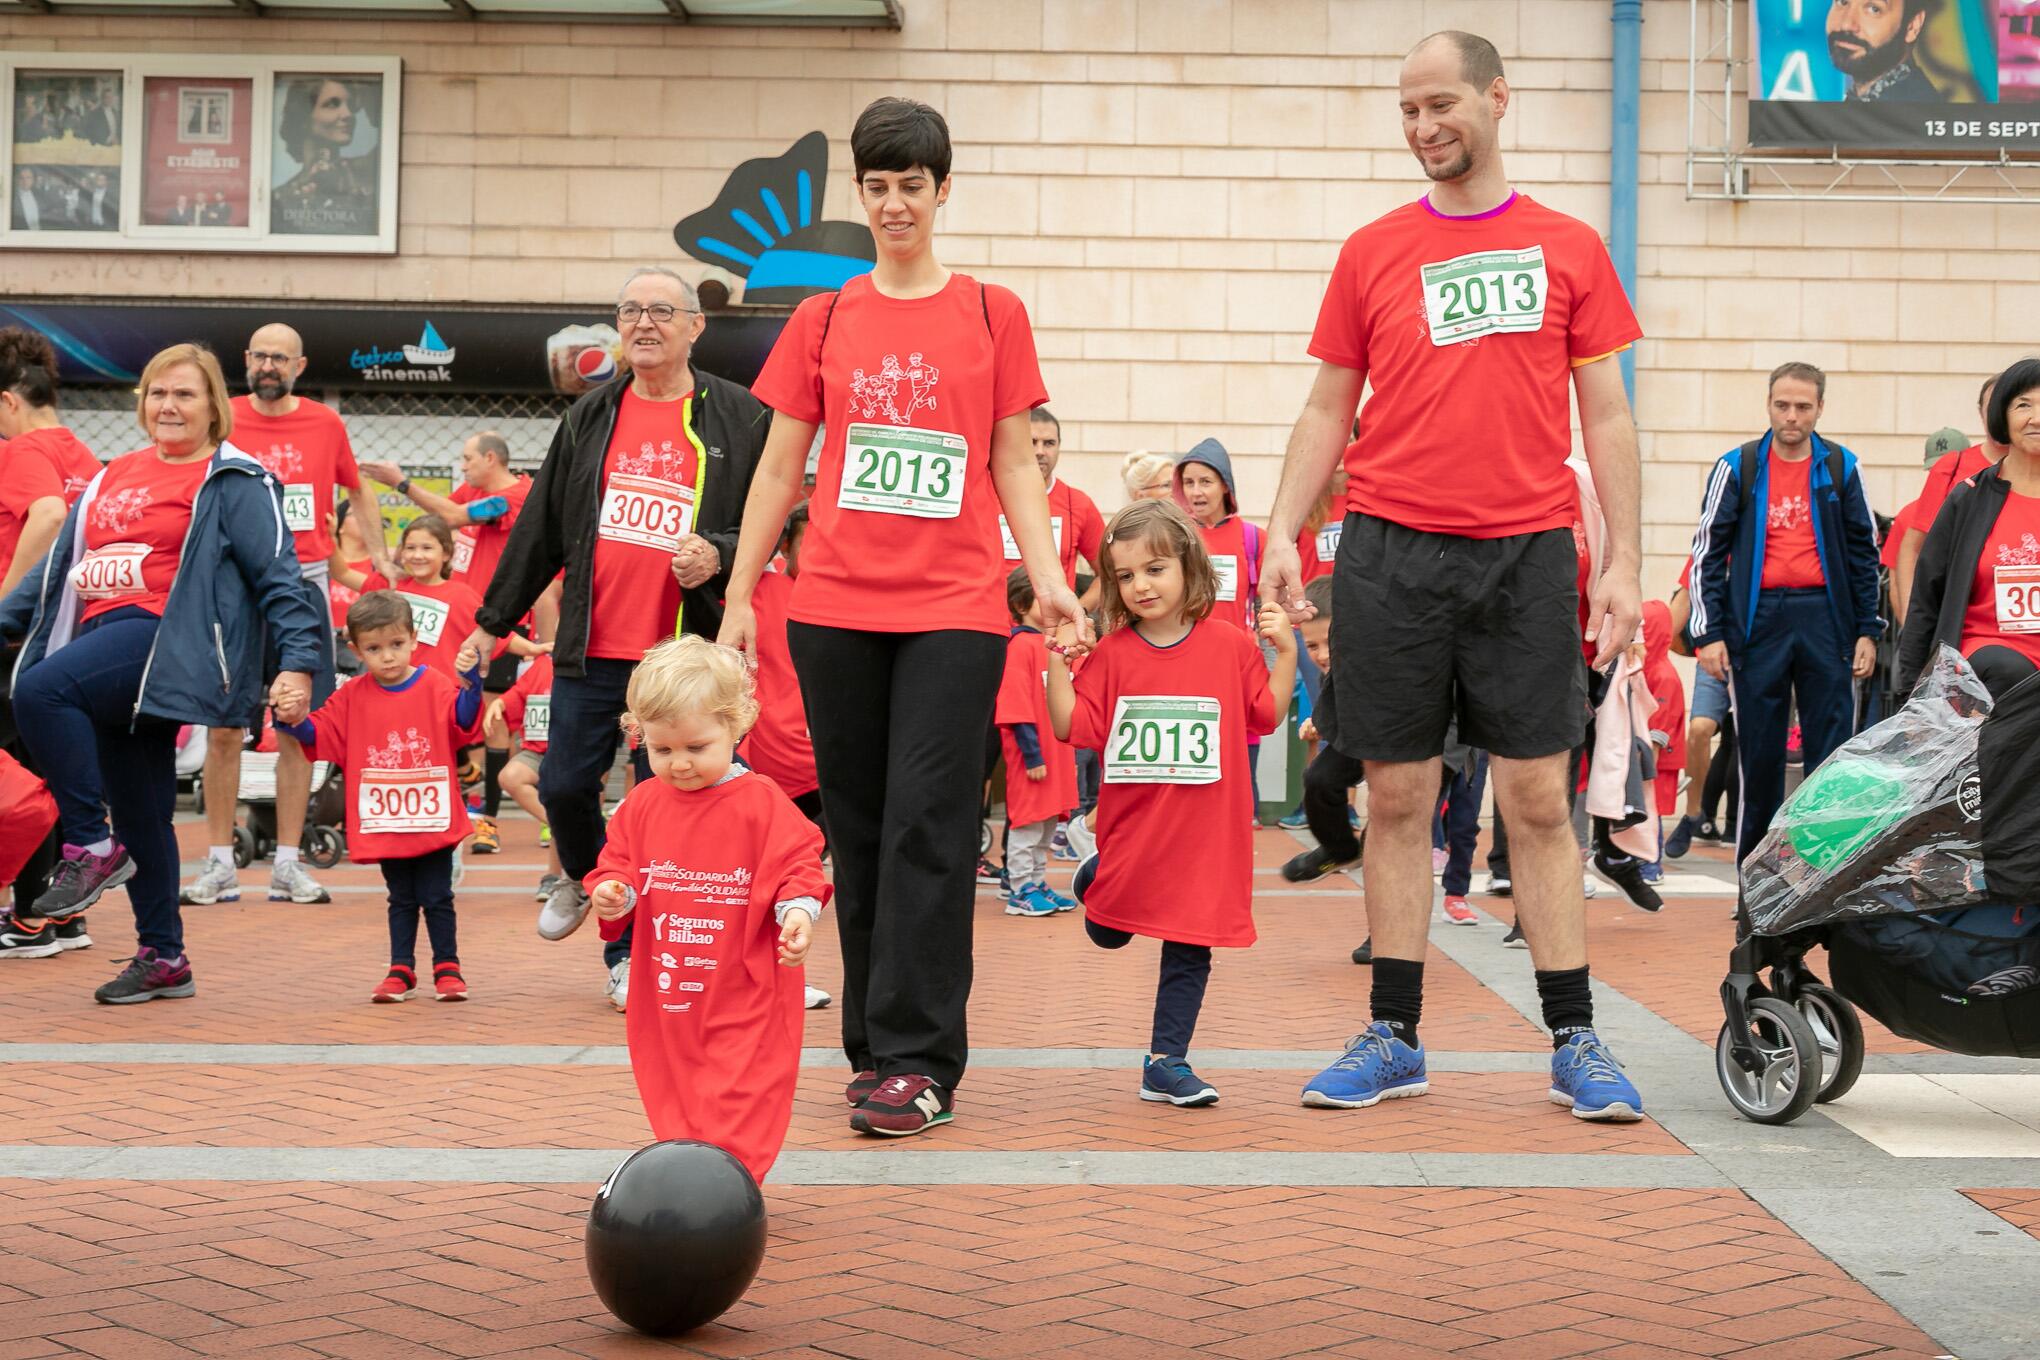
<point>1785,599</point>
<point>1944,473</point>
<point>1078,528</point>
<point>1474,313</point>
<point>481,512</point>
<point>304,445</point>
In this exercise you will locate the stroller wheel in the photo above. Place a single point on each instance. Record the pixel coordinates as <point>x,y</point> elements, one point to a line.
<point>984,838</point>
<point>323,847</point>
<point>244,847</point>
<point>1840,1035</point>
<point>1787,1076</point>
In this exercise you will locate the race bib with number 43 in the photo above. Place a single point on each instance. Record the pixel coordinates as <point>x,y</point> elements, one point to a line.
<point>300,512</point>
<point>1486,293</point>
<point>2018,598</point>
<point>895,470</point>
<point>1163,739</point>
<point>403,800</point>
<point>428,618</point>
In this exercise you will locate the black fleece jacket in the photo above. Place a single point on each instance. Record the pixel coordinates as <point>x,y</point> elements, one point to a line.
<point>1947,570</point>
<point>556,529</point>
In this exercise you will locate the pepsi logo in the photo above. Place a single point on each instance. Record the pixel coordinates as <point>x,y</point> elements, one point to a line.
<point>595,364</point>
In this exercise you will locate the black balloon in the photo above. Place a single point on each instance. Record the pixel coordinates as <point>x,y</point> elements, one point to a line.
<point>676,1236</point>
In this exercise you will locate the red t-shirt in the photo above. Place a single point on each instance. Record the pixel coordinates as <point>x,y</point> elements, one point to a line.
<point>1227,545</point>
<point>1948,472</point>
<point>1074,520</point>
<point>1454,320</point>
<point>134,533</point>
<point>308,452</point>
<point>904,519</point>
<point>649,487</point>
<point>443,614</point>
<point>1791,554</point>
<point>33,466</point>
<point>1887,552</point>
<point>1023,698</point>
<point>1145,801</point>
<point>400,750</point>
<point>477,548</point>
<point>778,744</point>
<point>715,1020</point>
<point>341,598</point>
<point>527,705</point>
<point>1318,549</point>
<point>2004,600</point>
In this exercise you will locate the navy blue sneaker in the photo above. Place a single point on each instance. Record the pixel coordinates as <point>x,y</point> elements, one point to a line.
<point>1585,1076</point>
<point>1171,1080</point>
<point>1653,874</point>
<point>1681,839</point>
<point>1377,1067</point>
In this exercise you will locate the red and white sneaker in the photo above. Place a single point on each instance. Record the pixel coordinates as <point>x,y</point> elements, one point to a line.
<point>902,1106</point>
<point>447,981</point>
<point>1459,914</point>
<point>398,986</point>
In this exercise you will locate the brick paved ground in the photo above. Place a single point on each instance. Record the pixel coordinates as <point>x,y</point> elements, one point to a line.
<point>1531,1253</point>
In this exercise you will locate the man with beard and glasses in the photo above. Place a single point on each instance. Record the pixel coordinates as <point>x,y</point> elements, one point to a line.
<point>1871,42</point>
<point>304,446</point>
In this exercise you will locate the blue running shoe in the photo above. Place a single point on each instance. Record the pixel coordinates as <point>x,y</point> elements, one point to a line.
<point>1585,1076</point>
<point>1295,820</point>
<point>1029,899</point>
<point>1062,903</point>
<point>1377,1067</point>
<point>1681,839</point>
<point>1171,1080</point>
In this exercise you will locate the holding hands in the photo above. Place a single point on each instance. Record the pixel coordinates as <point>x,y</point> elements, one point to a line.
<point>291,696</point>
<point>695,561</point>
<point>1273,624</point>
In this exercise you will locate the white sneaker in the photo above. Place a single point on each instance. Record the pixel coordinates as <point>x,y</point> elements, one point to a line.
<point>289,882</point>
<point>618,989</point>
<point>563,912</point>
<point>816,998</point>
<point>216,882</point>
<point>1591,886</point>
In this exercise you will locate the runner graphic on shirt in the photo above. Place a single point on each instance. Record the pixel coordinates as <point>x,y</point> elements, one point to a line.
<point>121,510</point>
<point>406,750</point>
<point>2027,554</point>
<point>665,462</point>
<point>1788,512</point>
<point>873,394</point>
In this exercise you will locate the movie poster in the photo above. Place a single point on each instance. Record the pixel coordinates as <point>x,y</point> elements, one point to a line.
<point>326,155</point>
<point>1911,76</point>
<point>196,151</point>
<point>67,151</point>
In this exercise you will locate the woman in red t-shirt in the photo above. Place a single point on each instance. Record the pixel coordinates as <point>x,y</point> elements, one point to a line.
<point>44,468</point>
<point>1977,586</point>
<point>923,380</point>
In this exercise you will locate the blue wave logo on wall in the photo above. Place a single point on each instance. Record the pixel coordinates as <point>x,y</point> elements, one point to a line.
<point>762,227</point>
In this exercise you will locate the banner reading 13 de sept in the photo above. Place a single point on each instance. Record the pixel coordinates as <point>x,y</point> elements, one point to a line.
<point>1896,75</point>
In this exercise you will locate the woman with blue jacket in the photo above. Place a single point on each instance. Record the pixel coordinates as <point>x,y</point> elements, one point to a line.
<point>149,612</point>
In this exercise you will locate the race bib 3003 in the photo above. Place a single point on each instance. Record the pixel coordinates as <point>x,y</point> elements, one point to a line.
<point>538,717</point>
<point>111,572</point>
<point>300,511</point>
<point>646,512</point>
<point>428,618</point>
<point>895,470</point>
<point>1163,739</point>
<point>403,800</point>
<point>1485,293</point>
<point>2018,598</point>
<point>1012,546</point>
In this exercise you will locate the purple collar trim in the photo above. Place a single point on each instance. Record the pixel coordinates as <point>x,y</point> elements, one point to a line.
<point>1496,211</point>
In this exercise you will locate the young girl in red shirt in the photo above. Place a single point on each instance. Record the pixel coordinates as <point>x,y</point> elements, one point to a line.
<point>1167,699</point>
<point>442,609</point>
<point>397,732</point>
<point>720,876</point>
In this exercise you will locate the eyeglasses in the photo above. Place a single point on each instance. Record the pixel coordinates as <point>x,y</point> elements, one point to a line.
<point>262,358</point>
<point>661,312</point>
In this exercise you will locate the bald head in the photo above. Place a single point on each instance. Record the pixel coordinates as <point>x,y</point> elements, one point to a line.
<point>278,338</point>
<point>276,359</point>
<point>1480,65</point>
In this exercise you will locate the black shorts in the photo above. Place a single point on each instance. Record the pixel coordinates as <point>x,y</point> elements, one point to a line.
<point>1426,627</point>
<point>272,657</point>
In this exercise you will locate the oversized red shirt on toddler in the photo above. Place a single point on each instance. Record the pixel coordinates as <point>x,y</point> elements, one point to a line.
<point>527,705</point>
<point>400,749</point>
<point>1171,727</point>
<point>715,1021</point>
<point>1023,698</point>
<point>778,744</point>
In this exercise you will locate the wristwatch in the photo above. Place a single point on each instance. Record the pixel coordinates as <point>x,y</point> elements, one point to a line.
<point>404,487</point>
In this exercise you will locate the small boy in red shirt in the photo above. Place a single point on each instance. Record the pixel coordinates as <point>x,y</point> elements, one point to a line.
<point>27,812</point>
<point>397,732</point>
<point>1037,799</point>
<point>723,875</point>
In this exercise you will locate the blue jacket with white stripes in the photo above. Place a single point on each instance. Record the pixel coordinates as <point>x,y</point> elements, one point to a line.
<point>1728,549</point>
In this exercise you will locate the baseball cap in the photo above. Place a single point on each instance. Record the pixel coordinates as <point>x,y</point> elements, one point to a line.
<point>1947,439</point>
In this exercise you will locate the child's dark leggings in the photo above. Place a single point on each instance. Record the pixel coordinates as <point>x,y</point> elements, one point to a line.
<point>424,882</point>
<point>1179,996</point>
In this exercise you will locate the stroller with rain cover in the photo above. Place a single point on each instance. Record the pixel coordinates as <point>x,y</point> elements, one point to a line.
<point>1912,855</point>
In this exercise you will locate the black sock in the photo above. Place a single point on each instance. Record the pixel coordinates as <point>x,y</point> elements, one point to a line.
<point>1568,1002</point>
<point>1397,996</point>
<point>492,782</point>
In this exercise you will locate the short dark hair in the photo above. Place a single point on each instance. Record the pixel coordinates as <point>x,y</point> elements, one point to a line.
<point>28,366</point>
<point>489,442</point>
<point>1041,415</point>
<point>1802,371</point>
<point>379,609</point>
<point>2015,382</point>
<point>1319,593</point>
<point>1019,593</point>
<point>1479,63</point>
<point>439,529</point>
<point>899,134</point>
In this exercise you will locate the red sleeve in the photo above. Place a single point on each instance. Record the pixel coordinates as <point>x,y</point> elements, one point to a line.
<point>329,727</point>
<point>1686,576</point>
<point>1262,715</point>
<point>374,581</point>
<point>617,861</point>
<point>513,708</point>
<point>792,861</point>
<point>1016,371</point>
<point>1601,318</point>
<point>1091,722</point>
<point>1887,553</point>
<point>345,471</point>
<point>1941,479</point>
<point>1016,698</point>
<point>1090,529</point>
<point>1341,334</point>
<point>27,477</point>
<point>791,381</point>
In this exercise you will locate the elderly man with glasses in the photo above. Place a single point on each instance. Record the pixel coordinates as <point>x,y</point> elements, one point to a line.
<point>638,502</point>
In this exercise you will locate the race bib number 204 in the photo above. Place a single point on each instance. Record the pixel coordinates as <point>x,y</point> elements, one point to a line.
<point>1486,293</point>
